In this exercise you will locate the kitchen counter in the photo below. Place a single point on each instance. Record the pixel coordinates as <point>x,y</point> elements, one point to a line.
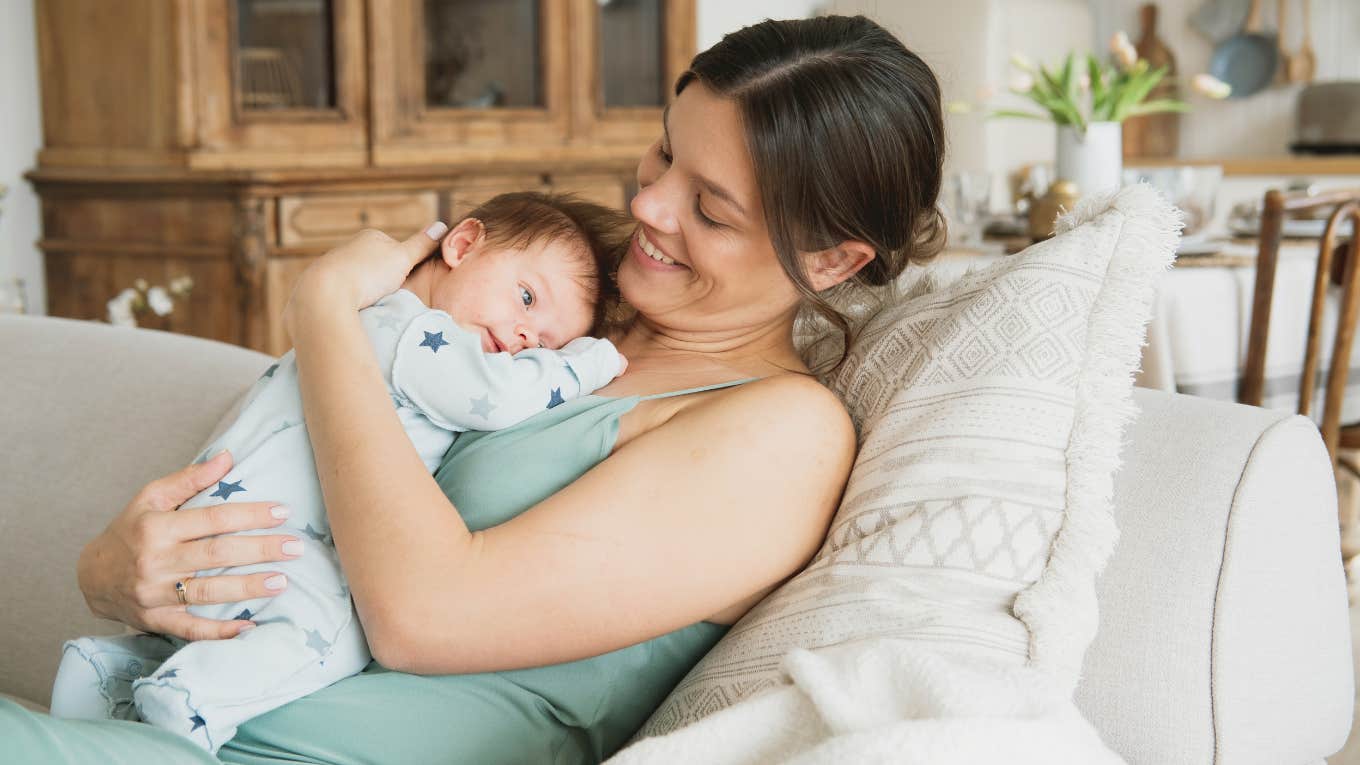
<point>1310,164</point>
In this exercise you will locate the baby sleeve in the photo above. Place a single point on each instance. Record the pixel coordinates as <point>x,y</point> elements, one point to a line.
<point>441,369</point>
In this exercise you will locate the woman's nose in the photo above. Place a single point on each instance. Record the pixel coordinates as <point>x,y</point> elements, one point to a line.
<point>654,205</point>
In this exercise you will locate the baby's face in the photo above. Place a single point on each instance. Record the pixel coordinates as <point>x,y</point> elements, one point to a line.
<point>517,299</point>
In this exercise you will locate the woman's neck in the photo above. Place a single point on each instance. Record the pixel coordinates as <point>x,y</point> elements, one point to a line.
<point>756,351</point>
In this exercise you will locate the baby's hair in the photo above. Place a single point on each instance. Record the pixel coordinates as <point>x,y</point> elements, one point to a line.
<point>520,219</point>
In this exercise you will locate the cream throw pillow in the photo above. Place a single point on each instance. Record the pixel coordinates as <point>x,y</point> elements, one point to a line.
<point>978,511</point>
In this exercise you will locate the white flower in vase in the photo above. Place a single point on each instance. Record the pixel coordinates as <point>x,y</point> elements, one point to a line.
<point>160,301</point>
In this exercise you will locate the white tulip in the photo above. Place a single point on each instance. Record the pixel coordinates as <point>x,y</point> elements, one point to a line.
<point>159,300</point>
<point>1123,50</point>
<point>1210,86</point>
<point>1021,61</point>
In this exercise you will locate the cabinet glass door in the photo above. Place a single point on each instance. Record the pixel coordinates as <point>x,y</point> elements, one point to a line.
<point>632,53</point>
<point>482,54</point>
<point>285,54</point>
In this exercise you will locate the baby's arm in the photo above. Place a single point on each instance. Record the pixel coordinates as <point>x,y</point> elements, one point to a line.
<point>443,371</point>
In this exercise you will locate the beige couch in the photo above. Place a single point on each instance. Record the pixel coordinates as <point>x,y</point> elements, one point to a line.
<point>1224,635</point>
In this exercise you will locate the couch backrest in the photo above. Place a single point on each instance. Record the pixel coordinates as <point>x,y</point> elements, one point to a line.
<point>88,414</point>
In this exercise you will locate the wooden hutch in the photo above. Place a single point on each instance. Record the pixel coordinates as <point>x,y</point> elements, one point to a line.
<point>234,140</point>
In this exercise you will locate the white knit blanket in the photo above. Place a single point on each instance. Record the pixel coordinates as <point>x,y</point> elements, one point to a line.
<point>889,701</point>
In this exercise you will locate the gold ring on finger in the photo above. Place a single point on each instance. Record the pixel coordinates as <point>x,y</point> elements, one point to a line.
<point>182,592</point>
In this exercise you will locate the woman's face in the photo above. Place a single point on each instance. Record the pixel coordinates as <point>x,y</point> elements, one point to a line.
<point>700,213</point>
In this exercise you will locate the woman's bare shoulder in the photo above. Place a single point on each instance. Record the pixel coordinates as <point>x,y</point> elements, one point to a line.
<point>772,411</point>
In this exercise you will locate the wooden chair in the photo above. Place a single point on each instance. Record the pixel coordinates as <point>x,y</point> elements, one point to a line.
<point>1279,205</point>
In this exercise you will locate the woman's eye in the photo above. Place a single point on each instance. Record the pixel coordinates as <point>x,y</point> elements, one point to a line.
<point>526,297</point>
<point>704,219</point>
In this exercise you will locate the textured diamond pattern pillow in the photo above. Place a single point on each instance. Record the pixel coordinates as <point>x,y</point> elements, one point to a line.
<point>978,512</point>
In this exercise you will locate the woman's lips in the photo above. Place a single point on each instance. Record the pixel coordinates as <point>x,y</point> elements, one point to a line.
<point>647,261</point>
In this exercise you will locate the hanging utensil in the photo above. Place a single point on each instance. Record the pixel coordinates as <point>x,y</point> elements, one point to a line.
<point>1303,65</point>
<point>1247,60</point>
<point>1282,74</point>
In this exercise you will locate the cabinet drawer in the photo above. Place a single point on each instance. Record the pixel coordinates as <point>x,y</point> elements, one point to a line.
<point>317,219</point>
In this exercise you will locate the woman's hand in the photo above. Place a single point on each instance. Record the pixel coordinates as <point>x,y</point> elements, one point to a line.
<point>358,273</point>
<point>128,572</point>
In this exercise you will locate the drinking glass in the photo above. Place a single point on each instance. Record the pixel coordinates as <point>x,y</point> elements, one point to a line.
<point>12,300</point>
<point>967,201</point>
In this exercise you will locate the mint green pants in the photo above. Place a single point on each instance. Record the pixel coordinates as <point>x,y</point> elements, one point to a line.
<point>374,717</point>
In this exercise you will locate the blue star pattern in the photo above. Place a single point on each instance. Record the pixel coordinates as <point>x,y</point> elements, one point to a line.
<point>198,722</point>
<point>245,614</point>
<point>319,536</point>
<point>271,370</point>
<point>482,407</point>
<point>434,340</point>
<point>556,398</point>
<point>225,490</point>
<point>317,643</point>
<point>169,673</point>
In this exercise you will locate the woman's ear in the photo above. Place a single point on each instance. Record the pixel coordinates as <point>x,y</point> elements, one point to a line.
<point>463,240</point>
<point>833,266</point>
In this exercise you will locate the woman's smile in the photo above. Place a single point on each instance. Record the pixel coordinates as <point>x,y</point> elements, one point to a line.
<point>650,256</point>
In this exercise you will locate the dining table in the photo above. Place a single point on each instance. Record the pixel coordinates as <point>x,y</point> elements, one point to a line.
<point>1197,336</point>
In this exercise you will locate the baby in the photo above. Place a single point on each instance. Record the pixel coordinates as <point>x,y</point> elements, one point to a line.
<point>485,333</point>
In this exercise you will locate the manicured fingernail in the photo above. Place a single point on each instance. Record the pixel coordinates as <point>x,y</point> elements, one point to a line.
<point>276,582</point>
<point>245,627</point>
<point>437,230</point>
<point>220,452</point>
<point>292,547</point>
<point>279,511</point>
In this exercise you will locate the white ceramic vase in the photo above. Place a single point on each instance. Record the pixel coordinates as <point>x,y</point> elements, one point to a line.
<point>1093,161</point>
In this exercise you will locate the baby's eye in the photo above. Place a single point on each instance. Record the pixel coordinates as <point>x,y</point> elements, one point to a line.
<point>526,296</point>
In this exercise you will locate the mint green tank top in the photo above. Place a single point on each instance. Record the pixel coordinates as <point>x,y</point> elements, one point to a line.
<point>580,711</point>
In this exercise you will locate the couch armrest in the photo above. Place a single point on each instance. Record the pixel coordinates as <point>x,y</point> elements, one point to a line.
<point>1224,631</point>
<point>89,413</point>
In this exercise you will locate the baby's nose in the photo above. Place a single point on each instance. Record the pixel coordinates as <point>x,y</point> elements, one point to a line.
<point>528,338</point>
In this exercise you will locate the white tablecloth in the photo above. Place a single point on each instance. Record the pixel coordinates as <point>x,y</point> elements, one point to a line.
<point>1197,339</point>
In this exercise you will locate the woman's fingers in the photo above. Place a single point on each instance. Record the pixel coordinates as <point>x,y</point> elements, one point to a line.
<point>418,246</point>
<point>225,551</point>
<point>199,522</point>
<point>182,624</point>
<point>230,589</point>
<point>166,494</point>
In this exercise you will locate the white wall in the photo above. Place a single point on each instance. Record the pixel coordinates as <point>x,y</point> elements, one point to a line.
<point>718,17</point>
<point>1263,123</point>
<point>20,138</point>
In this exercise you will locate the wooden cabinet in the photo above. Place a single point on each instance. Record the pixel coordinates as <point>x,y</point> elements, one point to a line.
<point>234,140</point>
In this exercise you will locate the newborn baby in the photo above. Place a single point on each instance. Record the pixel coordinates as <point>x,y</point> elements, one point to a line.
<point>485,333</point>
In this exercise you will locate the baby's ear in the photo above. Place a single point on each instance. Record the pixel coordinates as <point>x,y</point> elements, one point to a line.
<point>463,240</point>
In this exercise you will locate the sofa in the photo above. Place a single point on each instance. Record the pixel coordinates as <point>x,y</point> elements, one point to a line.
<point>1224,633</point>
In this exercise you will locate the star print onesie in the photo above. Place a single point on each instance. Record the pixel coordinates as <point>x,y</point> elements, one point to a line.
<point>441,383</point>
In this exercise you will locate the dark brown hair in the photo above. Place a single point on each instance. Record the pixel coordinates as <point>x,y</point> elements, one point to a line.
<point>520,219</point>
<point>846,132</point>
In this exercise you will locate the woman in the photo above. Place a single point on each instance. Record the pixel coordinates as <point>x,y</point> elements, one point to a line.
<point>538,596</point>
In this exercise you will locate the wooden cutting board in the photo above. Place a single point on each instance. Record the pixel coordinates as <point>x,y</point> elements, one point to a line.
<point>1154,135</point>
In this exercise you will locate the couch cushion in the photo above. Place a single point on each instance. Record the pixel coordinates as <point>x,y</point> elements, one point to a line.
<point>978,510</point>
<point>90,413</point>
